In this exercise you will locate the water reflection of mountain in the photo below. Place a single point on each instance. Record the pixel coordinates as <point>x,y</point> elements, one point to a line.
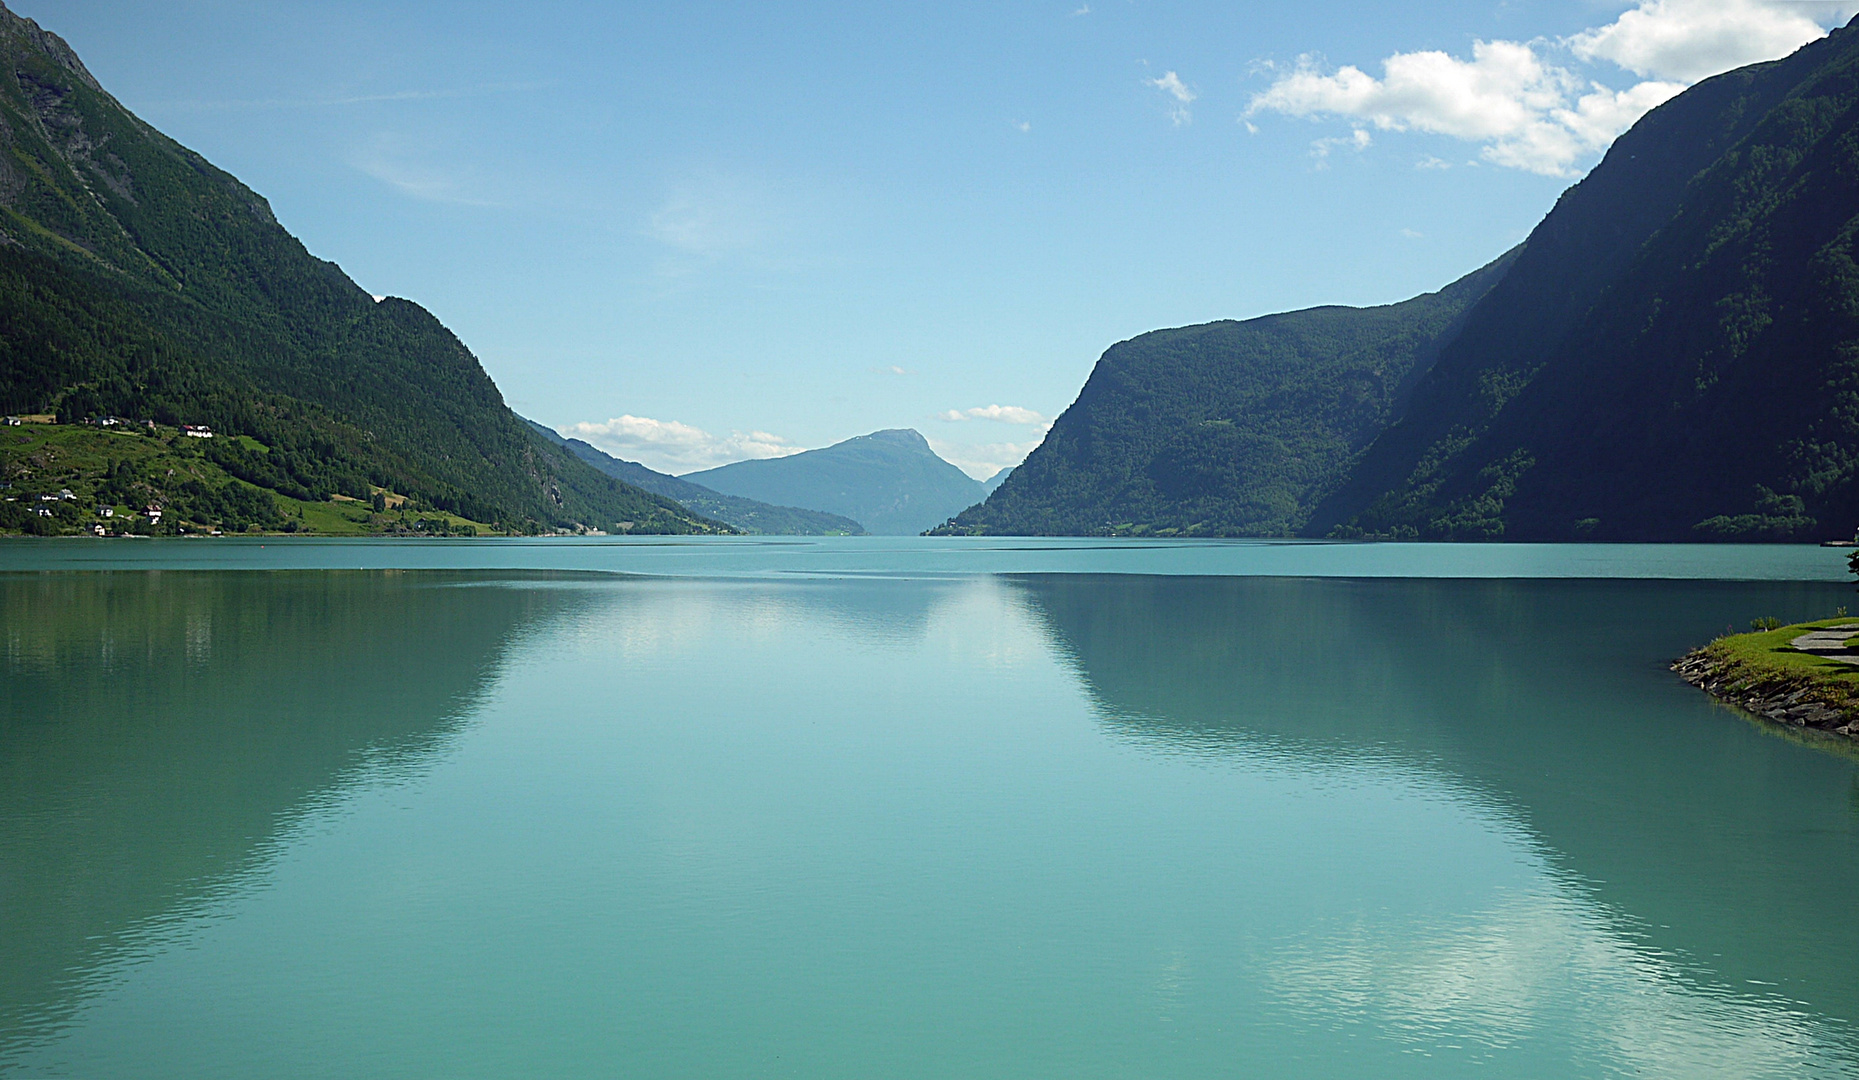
<point>157,731</point>
<point>1732,849</point>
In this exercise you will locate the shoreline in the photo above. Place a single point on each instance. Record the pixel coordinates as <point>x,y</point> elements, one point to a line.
<point>1801,676</point>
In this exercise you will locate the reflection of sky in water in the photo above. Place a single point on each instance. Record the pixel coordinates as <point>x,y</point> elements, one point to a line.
<point>1546,968</point>
<point>934,827</point>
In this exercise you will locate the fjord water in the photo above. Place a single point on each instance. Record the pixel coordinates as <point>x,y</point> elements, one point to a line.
<point>835,818</point>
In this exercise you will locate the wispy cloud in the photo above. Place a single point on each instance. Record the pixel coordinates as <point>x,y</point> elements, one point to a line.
<point>1527,109</point>
<point>1171,84</point>
<point>401,166</point>
<point>673,447</point>
<point>1357,140</point>
<point>710,218</point>
<point>1007,414</point>
<point>1081,10</point>
<point>344,100</point>
<point>705,223</point>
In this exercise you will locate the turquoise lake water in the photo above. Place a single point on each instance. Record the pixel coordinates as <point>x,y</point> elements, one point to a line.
<point>910,808</point>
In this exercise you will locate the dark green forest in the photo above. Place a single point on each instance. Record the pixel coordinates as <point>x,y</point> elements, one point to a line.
<point>1225,429</point>
<point>1674,356</point>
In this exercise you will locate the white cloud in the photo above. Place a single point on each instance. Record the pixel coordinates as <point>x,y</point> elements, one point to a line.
<point>1688,40</point>
<point>1171,84</point>
<point>1007,414</point>
<point>1531,113</point>
<point>1498,92</point>
<point>983,460</point>
<point>1413,234</point>
<point>1021,125</point>
<point>1083,10</point>
<point>669,446</point>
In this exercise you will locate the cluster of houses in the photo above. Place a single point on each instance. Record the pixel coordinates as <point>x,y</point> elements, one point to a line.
<point>197,431</point>
<point>153,511</point>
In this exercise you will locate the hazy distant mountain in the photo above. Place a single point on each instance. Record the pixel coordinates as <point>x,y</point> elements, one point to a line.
<point>993,483</point>
<point>138,280</point>
<point>748,515</point>
<point>889,481</point>
<point>1225,429</point>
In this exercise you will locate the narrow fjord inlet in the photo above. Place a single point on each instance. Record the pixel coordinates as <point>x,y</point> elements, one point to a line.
<point>597,538</point>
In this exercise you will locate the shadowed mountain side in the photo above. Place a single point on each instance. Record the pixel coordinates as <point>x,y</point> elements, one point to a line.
<point>1673,356</point>
<point>1228,428</point>
<point>748,515</point>
<point>890,482</point>
<point>1549,700</point>
<point>159,730</point>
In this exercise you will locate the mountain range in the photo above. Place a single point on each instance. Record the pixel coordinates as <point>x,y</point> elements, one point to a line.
<point>1672,354</point>
<point>139,281</point>
<point>745,515</point>
<point>890,482</point>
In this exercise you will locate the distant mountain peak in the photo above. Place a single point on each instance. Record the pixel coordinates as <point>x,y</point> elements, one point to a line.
<point>50,44</point>
<point>889,481</point>
<point>910,437</point>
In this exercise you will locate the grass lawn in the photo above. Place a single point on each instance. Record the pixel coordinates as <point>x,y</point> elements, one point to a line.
<point>1765,661</point>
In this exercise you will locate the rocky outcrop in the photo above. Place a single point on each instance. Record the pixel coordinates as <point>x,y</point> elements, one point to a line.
<point>1798,701</point>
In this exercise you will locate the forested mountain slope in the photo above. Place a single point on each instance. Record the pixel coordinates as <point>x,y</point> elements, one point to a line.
<point>137,279</point>
<point>1675,354</point>
<point>1228,428</point>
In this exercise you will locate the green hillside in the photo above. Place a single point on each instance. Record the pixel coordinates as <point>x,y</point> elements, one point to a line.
<point>746,515</point>
<point>1675,355</point>
<point>137,280</point>
<point>1225,429</point>
<point>890,482</point>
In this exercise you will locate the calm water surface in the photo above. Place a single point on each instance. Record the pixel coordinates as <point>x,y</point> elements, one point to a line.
<point>910,809</point>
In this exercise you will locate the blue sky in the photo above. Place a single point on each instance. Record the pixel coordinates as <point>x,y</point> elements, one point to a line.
<point>698,232</point>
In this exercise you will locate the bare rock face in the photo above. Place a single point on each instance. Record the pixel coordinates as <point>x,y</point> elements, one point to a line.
<point>48,43</point>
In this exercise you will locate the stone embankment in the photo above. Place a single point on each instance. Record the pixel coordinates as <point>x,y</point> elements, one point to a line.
<point>1799,701</point>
